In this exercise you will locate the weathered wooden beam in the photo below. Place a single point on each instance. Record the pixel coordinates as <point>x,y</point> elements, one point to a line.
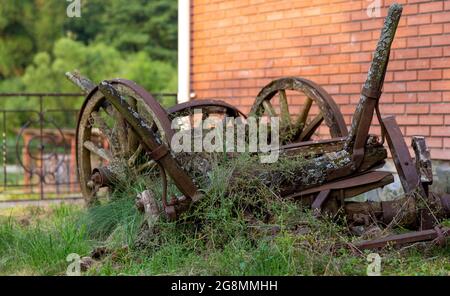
<point>295,173</point>
<point>105,154</point>
<point>284,110</point>
<point>313,147</point>
<point>371,91</point>
<point>439,234</point>
<point>82,82</point>
<point>319,201</point>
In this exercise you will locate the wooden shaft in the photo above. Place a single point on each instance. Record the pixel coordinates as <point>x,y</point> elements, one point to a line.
<point>372,87</point>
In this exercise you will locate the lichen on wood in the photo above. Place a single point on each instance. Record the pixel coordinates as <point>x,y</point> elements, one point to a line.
<point>375,76</point>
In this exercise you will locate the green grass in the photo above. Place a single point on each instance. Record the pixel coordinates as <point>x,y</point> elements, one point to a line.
<point>231,232</point>
<point>42,246</point>
<point>20,195</point>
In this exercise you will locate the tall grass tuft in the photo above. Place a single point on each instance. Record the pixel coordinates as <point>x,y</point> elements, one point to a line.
<point>116,223</point>
<point>42,246</point>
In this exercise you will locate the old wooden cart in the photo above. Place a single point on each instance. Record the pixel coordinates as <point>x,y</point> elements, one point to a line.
<point>135,124</point>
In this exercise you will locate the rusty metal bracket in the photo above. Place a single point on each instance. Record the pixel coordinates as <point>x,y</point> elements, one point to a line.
<point>402,159</point>
<point>371,93</point>
<point>159,152</point>
<point>102,176</point>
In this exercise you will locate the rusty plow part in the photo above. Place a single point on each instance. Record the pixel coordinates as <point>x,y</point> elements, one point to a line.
<point>423,161</point>
<point>406,170</point>
<point>415,177</point>
<point>438,234</point>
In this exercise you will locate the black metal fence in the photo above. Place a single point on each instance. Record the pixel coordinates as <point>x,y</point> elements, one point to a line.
<point>38,131</point>
<point>38,145</point>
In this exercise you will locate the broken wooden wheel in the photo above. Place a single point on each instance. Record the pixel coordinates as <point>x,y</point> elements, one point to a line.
<point>301,125</point>
<point>109,154</point>
<point>108,150</point>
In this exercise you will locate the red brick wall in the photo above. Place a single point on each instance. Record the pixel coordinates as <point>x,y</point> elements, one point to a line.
<point>238,46</point>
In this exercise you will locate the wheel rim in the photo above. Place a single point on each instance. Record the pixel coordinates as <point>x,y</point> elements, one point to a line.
<point>211,106</point>
<point>299,129</point>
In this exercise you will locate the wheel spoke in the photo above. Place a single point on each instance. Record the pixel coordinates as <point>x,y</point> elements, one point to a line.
<point>303,115</point>
<point>106,131</point>
<point>269,108</point>
<point>135,155</point>
<point>133,142</point>
<point>105,154</point>
<point>121,129</point>
<point>109,109</point>
<point>309,130</point>
<point>101,124</point>
<point>284,110</point>
<point>148,165</point>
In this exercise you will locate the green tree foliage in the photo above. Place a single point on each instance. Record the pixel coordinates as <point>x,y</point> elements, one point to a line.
<point>16,42</point>
<point>27,27</point>
<point>133,39</point>
<point>120,30</point>
<point>131,26</point>
<point>97,61</point>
